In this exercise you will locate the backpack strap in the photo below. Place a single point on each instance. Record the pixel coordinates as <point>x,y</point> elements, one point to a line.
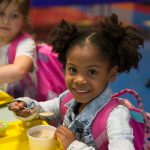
<point>131,107</point>
<point>132,92</point>
<point>100,122</point>
<point>14,44</point>
<point>11,56</point>
<point>65,99</point>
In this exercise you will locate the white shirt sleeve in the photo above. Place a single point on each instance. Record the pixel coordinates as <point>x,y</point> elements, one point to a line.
<point>27,47</point>
<point>52,105</point>
<point>120,134</point>
<point>76,145</point>
<point>47,106</point>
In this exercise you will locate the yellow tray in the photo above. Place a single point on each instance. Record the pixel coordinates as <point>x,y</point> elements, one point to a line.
<point>5,98</point>
<point>16,135</point>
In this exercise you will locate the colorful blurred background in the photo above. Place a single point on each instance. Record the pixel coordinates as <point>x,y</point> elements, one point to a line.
<point>45,14</point>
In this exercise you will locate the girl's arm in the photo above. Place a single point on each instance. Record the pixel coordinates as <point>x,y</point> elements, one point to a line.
<point>120,134</point>
<point>16,71</point>
<point>25,62</point>
<point>26,108</point>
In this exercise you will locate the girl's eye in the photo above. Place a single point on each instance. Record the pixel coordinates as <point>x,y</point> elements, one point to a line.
<point>92,72</point>
<point>14,16</point>
<point>72,70</point>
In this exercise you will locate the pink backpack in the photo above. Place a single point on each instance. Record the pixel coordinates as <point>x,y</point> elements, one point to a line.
<point>50,76</point>
<point>140,120</point>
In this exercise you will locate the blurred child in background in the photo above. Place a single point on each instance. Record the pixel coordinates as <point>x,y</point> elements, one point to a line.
<point>13,22</point>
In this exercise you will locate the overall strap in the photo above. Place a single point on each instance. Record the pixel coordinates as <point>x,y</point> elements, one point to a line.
<point>14,44</point>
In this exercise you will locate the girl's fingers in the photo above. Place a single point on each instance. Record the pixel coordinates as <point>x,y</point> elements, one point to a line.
<point>16,105</point>
<point>22,105</point>
<point>65,136</point>
<point>24,112</point>
<point>19,107</point>
<point>62,131</point>
<point>13,106</point>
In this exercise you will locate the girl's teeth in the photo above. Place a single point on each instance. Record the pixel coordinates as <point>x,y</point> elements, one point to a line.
<point>82,91</point>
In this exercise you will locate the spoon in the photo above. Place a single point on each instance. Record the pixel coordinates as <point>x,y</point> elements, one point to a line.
<point>46,114</point>
<point>42,114</point>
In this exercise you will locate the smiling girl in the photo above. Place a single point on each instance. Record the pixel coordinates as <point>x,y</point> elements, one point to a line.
<point>92,58</point>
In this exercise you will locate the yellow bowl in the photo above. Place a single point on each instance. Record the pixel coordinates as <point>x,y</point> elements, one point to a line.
<point>3,126</point>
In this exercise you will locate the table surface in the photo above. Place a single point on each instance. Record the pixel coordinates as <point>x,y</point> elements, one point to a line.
<point>6,115</point>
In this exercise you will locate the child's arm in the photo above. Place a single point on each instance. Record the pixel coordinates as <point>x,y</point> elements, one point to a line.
<point>24,62</point>
<point>26,108</point>
<point>120,134</point>
<point>16,71</point>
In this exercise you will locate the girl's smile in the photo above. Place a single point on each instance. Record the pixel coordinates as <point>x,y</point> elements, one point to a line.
<point>81,93</point>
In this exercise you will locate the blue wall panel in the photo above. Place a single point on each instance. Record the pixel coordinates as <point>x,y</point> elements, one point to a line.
<point>47,3</point>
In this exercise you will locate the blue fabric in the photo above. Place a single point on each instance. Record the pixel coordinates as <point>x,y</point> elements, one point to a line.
<point>47,3</point>
<point>137,116</point>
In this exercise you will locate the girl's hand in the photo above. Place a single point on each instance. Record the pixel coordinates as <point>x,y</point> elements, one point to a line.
<point>65,136</point>
<point>20,109</point>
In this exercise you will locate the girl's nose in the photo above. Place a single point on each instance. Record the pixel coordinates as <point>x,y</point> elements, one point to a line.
<point>80,79</point>
<point>5,19</point>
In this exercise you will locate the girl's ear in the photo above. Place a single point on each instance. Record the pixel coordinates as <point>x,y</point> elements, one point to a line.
<point>113,73</point>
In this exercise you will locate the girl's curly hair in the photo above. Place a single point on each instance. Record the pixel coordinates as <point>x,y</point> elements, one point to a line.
<point>117,44</point>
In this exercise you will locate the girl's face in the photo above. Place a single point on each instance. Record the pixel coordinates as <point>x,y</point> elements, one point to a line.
<point>11,21</point>
<point>87,75</point>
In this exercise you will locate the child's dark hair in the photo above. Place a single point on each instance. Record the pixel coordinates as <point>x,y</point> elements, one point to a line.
<point>117,44</point>
<point>23,5</point>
